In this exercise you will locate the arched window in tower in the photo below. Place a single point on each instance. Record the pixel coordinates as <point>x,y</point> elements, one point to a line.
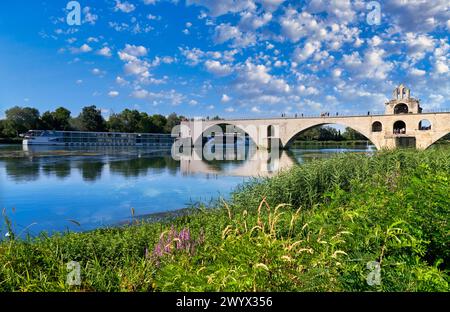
<point>425,124</point>
<point>401,108</point>
<point>377,126</point>
<point>399,127</point>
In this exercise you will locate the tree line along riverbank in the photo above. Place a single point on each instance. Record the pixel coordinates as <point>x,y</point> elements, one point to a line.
<point>349,223</point>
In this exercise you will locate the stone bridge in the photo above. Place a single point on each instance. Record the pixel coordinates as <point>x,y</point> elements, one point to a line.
<point>402,124</point>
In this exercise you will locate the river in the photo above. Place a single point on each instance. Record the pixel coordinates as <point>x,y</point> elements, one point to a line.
<point>56,189</point>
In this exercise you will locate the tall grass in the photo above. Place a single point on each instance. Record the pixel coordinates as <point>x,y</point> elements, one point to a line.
<point>315,227</point>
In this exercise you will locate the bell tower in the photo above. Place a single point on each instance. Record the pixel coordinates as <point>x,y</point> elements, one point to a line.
<point>402,102</point>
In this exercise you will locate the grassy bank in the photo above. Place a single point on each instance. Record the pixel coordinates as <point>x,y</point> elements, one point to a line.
<point>316,227</point>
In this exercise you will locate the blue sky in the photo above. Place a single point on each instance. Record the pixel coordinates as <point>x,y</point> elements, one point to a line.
<point>233,58</point>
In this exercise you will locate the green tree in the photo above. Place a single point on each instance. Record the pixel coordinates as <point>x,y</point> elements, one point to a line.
<point>91,119</point>
<point>172,121</point>
<point>57,120</point>
<point>158,123</point>
<point>47,121</point>
<point>145,123</point>
<point>126,121</point>
<point>2,127</point>
<point>352,135</point>
<point>114,123</point>
<point>61,118</point>
<point>20,120</point>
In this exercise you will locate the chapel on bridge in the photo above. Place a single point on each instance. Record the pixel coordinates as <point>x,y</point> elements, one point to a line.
<point>402,102</point>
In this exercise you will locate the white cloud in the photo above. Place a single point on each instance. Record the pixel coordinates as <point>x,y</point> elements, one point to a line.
<point>217,68</point>
<point>120,81</point>
<point>134,65</point>
<point>417,16</point>
<point>97,72</point>
<point>89,17</point>
<point>105,51</point>
<point>153,17</point>
<point>418,46</point>
<point>417,72</point>
<point>257,73</point>
<point>125,7</point>
<point>113,94</point>
<point>227,32</point>
<point>303,90</point>
<point>85,48</point>
<point>341,11</point>
<point>337,72</point>
<point>217,8</point>
<point>371,66</point>
<point>310,47</point>
<point>92,39</point>
<point>271,5</point>
<point>441,67</point>
<point>193,56</point>
<point>134,50</point>
<point>251,21</point>
<point>296,26</point>
<point>172,96</point>
<point>225,98</point>
<point>140,94</point>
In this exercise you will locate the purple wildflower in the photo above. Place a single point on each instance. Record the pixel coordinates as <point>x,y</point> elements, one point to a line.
<point>174,241</point>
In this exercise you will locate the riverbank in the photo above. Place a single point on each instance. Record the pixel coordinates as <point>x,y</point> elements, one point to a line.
<point>330,143</point>
<point>11,140</point>
<point>323,226</point>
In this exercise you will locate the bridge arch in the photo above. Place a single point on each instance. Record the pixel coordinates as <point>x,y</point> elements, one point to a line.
<point>223,126</point>
<point>438,137</point>
<point>399,127</point>
<point>401,108</point>
<point>292,136</point>
<point>377,126</point>
<point>424,125</point>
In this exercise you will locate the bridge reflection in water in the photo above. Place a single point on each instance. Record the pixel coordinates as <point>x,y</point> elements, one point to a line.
<point>245,162</point>
<point>254,162</point>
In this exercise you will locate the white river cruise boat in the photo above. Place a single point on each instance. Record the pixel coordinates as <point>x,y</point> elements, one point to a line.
<point>78,138</point>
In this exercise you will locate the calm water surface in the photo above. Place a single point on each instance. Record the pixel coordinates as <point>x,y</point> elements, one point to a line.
<point>43,189</point>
